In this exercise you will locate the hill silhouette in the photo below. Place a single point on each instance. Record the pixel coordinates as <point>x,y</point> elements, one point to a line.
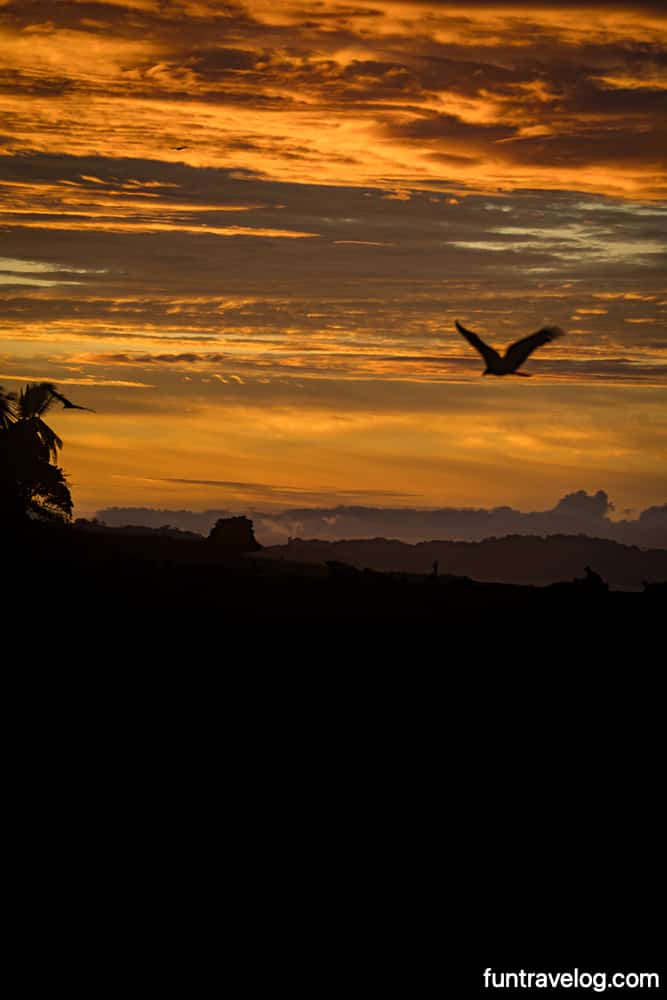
<point>112,574</point>
<point>519,559</point>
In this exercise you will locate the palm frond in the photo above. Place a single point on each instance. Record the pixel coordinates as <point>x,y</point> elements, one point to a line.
<point>7,408</point>
<point>49,438</point>
<point>35,399</point>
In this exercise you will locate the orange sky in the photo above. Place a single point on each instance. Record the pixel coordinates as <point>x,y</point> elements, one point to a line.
<point>273,304</point>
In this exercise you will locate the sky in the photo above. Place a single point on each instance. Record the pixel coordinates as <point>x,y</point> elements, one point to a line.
<point>242,233</point>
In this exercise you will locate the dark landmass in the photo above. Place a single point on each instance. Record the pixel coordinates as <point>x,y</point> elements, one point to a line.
<point>228,579</point>
<point>135,530</point>
<point>519,559</point>
<point>574,514</point>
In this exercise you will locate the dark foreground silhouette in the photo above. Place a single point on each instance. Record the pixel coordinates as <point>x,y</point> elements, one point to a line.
<point>227,578</point>
<point>519,559</point>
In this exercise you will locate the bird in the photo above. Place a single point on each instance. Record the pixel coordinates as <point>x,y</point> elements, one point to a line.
<point>67,404</point>
<point>179,148</point>
<point>516,353</point>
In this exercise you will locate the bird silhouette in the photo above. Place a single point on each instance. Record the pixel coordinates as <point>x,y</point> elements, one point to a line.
<point>516,353</point>
<point>68,404</point>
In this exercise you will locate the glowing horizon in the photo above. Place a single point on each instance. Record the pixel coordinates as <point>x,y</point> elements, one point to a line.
<point>242,234</point>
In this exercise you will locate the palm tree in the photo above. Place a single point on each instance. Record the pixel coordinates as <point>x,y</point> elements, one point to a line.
<point>30,481</point>
<point>7,409</point>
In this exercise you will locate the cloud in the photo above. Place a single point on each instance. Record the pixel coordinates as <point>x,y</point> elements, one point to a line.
<point>281,493</point>
<point>345,95</point>
<point>83,380</point>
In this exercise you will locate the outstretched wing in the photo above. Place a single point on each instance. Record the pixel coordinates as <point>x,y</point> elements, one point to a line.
<point>516,354</point>
<point>488,353</point>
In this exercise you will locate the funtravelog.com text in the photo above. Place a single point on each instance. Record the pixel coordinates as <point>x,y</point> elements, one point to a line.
<point>576,979</point>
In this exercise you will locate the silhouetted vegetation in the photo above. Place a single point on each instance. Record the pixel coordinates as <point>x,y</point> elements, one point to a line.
<point>31,483</point>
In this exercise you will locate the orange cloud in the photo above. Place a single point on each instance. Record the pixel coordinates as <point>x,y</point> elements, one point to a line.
<point>109,225</point>
<point>412,92</point>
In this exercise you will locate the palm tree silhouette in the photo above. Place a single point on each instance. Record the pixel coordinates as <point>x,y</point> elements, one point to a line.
<point>30,480</point>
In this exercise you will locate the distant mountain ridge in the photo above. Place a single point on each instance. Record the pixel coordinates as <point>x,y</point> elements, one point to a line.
<point>574,514</point>
<point>522,559</point>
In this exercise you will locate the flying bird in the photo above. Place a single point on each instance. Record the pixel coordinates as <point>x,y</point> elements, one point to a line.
<point>68,404</point>
<point>516,353</point>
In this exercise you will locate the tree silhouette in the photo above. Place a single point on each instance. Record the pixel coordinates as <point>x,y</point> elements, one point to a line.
<point>31,484</point>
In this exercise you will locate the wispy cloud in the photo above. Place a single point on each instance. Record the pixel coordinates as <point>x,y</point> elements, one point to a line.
<point>84,380</point>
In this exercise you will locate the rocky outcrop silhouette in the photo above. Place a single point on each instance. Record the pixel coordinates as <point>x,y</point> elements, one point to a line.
<point>234,534</point>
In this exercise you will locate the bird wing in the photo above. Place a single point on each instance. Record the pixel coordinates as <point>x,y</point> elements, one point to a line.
<point>487,352</point>
<point>517,353</point>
